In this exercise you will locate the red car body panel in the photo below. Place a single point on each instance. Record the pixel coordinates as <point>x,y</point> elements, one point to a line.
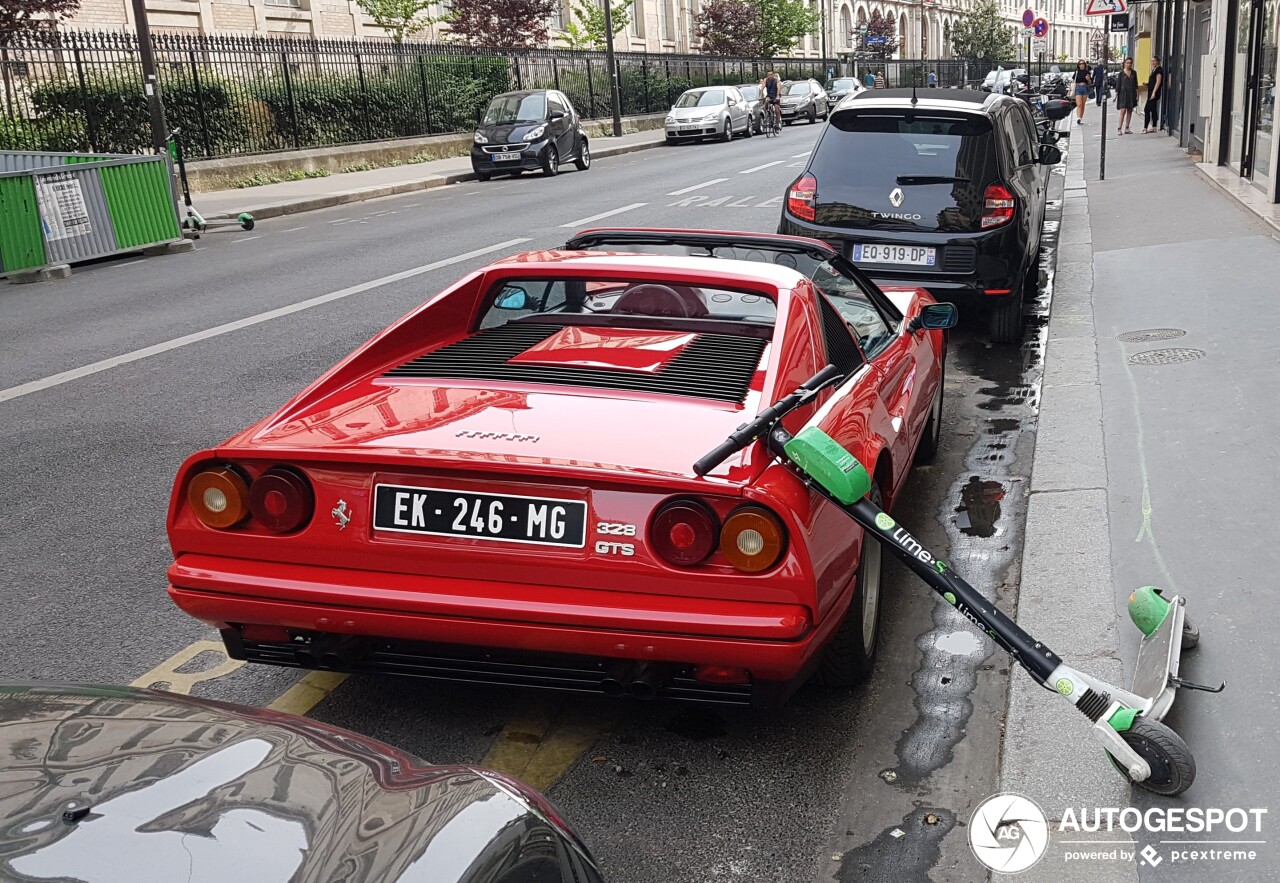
<point>623,453</point>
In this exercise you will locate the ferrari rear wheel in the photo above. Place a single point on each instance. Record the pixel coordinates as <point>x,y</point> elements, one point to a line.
<point>927,450</point>
<point>848,659</point>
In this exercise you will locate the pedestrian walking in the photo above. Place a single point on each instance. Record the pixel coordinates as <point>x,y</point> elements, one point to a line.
<point>870,80</point>
<point>1126,97</point>
<point>1100,89</point>
<point>1155,92</point>
<point>1082,80</point>
<point>933,79</point>
<point>879,79</point>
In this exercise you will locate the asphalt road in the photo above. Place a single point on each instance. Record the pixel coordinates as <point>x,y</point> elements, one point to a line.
<point>817,790</point>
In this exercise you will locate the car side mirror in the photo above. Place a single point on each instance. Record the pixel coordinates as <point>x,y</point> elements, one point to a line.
<point>556,115</point>
<point>733,102</point>
<point>512,297</point>
<point>1050,136</point>
<point>1050,155</point>
<point>935,317</point>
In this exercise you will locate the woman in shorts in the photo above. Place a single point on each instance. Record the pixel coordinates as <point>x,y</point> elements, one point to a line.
<point>1083,80</point>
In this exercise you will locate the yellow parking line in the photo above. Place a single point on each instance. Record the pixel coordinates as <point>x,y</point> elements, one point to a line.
<point>307,693</point>
<point>182,682</point>
<point>542,741</point>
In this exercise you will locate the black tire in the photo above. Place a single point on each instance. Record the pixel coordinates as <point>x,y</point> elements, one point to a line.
<point>247,223</point>
<point>848,660</point>
<point>1173,768</point>
<point>1190,634</point>
<point>583,160</point>
<point>931,440</point>
<point>1005,319</point>
<point>671,142</point>
<point>750,130</point>
<point>551,161</point>
<point>813,115</point>
<point>727,135</point>
<point>483,176</point>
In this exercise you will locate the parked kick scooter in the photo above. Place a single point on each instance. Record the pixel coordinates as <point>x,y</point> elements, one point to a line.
<point>194,221</point>
<point>1127,723</point>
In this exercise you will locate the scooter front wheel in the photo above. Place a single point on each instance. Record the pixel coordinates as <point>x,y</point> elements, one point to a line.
<point>1173,768</point>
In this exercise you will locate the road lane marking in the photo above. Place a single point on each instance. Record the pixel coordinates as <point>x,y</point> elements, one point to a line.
<point>768,165</point>
<point>308,692</point>
<point>53,380</point>
<point>293,229</point>
<point>617,211</point>
<point>540,742</point>
<point>246,238</point>
<point>182,682</point>
<point>697,187</point>
<point>802,155</point>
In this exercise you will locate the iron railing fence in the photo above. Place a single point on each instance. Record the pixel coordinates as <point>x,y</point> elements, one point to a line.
<point>83,91</point>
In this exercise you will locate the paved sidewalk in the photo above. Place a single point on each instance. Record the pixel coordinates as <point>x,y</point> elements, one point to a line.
<point>290,197</point>
<point>1177,444</point>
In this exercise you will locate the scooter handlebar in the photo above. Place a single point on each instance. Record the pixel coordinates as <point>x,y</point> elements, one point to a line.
<point>752,430</point>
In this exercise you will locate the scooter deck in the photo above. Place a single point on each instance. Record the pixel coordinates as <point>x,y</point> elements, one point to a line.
<point>1158,657</point>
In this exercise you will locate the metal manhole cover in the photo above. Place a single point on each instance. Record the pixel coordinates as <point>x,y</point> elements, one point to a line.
<point>1166,357</point>
<point>1150,334</point>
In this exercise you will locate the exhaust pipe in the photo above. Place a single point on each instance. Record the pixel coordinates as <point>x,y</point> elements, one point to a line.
<point>309,655</point>
<point>618,677</point>
<point>342,653</point>
<point>649,682</point>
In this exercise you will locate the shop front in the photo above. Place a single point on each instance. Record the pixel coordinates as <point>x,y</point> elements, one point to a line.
<point>1248,145</point>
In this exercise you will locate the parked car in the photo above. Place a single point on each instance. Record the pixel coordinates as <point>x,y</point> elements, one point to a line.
<point>842,87</point>
<point>530,130</point>
<point>499,487</point>
<point>751,95</point>
<point>804,98</point>
<point>943,191</point>
<point>998,81</point>
<point>115,783</point>
<point>711,112</point>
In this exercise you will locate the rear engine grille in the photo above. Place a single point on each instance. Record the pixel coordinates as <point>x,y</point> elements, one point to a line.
<point>959,259</point>
<point>713,366</point>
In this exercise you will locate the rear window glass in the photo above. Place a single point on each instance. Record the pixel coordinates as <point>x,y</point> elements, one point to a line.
<point>889,145</point>
<point>531,299</point>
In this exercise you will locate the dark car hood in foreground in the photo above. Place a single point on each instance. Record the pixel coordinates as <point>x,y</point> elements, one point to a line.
<point>178,788</point>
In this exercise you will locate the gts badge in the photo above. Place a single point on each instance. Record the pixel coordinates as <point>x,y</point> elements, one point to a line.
<point>615,529</point>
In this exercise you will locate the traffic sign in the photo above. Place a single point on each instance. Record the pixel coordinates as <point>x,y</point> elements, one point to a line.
<point>1028,17</point>
<point>1039,45</point>
<point>1106,7</point>
<point>1040,27</point>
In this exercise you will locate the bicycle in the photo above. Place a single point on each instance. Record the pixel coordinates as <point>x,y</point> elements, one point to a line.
<point>770,125</point>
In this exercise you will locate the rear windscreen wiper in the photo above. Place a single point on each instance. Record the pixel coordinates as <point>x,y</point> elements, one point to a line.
<point>931,179</point>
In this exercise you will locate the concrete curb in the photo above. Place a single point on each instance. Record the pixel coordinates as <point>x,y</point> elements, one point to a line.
<point>1066,597</point>
<point>276,209</point>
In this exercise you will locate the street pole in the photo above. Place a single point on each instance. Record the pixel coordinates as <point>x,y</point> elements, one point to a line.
<point>615,98</point>
<point>151,85</point>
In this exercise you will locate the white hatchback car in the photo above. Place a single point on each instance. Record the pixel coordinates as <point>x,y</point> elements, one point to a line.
<point>709,112</point>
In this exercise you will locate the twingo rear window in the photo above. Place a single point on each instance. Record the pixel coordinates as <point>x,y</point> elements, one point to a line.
<point>864,156</point>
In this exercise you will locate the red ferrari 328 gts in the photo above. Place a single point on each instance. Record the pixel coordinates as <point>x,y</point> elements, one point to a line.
<point>499,487</point>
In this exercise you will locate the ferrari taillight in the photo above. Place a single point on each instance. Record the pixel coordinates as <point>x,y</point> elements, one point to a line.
<point>219,497</point>
<point>998,205</point>
<point>752,539</point>
<point>281,500</point>
<point>801,197</point>
<point>684,532</point>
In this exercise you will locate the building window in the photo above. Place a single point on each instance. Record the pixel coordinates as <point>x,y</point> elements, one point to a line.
<point>637,19</point>
<point>291,4</point>
<point>668,19</point>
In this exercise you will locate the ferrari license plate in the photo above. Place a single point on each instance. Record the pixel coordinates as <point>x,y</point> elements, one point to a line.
<point>879,253</point>
<point>501,517</point>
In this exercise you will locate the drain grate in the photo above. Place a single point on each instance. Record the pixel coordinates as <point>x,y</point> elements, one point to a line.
<point>1166,357</point>
<point>1151,334</point>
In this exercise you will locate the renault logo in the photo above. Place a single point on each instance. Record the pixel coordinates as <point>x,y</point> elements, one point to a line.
<point>896,197</point>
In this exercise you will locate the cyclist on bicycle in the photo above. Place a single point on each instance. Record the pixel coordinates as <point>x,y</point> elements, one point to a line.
<point>772,96</point>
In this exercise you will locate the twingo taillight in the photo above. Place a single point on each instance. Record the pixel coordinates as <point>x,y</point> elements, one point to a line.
<point>219,497</point>
<point>281,500</point>
<point>998,205</point>
<point>752,539</point>
<point>801,197</point>
<point>684,532</point>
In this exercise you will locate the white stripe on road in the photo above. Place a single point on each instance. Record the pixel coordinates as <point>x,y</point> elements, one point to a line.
<point>768,165</point>
<point>245,239</point>
<point>617,211</point>
<point>697,187</point>
<point>53,380</point>
<point>293,229</point>
<point>802,155</point>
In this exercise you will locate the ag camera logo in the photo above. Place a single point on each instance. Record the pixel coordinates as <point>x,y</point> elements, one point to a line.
<point>1008,833</point>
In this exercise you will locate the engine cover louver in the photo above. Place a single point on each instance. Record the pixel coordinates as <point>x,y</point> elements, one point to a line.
<point>712,366</point>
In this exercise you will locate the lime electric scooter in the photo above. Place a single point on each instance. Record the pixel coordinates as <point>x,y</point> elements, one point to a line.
<point>1126,722</point>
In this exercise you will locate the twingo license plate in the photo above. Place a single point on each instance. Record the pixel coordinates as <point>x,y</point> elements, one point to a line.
<point>880,253</point>
<point>500,517</point>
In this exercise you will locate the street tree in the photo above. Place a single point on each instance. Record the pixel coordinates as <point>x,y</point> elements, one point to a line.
<point>982,35</point>
<point>881,26</point>
<point>501,24</point>
<point>587,30</point>
<point>729,27</point>
<point>783,23</point>
<point>399,18</point>
<point>28,16</point>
